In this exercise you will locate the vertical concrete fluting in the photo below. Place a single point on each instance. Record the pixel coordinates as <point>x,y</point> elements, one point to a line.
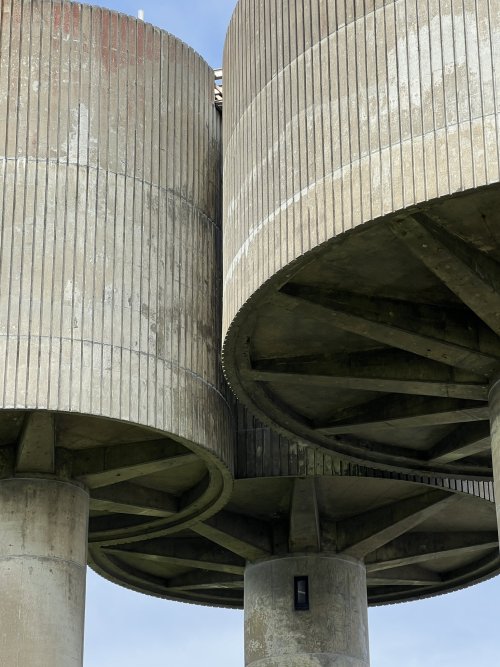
<point>109,222</point>
<point>338,113</point>
<point>43,554</point>
<point>332,632</point>
<point>109,254</point>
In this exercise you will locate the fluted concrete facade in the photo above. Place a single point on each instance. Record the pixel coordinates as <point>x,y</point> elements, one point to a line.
<point>109,215</point>
<point>110,307</point>
<point>337,113</point>
<point>110,317</point>
<point>362,182</point>
<point>262,452</point>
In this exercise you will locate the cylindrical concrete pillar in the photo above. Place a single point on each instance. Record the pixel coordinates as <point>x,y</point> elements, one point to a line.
<point>42,572</point>
<point>330,629</point>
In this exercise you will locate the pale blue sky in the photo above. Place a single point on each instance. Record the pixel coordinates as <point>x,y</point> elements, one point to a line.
<point>131,630</point>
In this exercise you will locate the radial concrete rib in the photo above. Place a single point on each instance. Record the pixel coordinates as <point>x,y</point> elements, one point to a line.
<point>36,447</point>
<point>403,411</point>
<point>304,530</point>
<point>405,576</point>
<point>430,332</point>
<point>361,535</point>
<point>470,274</point>
<point>104,466</point>
<point>195,555</point>
<point>467,440</point>
<point>128,498</point>
<point>249,539</point>
<point>389,371</point>
<point>415,548</point>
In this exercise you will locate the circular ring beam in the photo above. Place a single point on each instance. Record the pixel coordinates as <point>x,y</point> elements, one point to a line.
<point>417,536</point>
<point>109,259</point>
<point>362,258</point>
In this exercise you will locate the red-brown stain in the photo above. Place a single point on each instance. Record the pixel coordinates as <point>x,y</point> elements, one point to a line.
<point>132,46</point>
<point>66,17</point>
<point>102,20</point>
<point>115,31</point>
<point>120,42</point>
<point>140,37</point>
<point>56,17</point>
<point>16,14</point>
<point>149,45</point>
<point>125,26</point>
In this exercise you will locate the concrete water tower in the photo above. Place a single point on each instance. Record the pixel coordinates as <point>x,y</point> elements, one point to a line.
<point>361,171</point>
<point>111,394</point>
<point>362,252</point>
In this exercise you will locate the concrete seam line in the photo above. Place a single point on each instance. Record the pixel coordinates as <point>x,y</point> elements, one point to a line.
<point>356,662</point>
<point>61,482</point>
<point>325,556</point>
<point>69,561</point>
<point>130,177</point>
<point>141,353</point>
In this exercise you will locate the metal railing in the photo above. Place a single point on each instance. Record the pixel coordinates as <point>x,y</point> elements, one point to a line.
<point>218,88</point>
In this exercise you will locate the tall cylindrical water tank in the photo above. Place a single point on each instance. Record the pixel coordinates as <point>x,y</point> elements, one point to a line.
<point>109,261</point>
<point>361,257</point>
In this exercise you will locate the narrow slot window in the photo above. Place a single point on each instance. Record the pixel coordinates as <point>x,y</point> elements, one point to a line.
<point>301,593</point>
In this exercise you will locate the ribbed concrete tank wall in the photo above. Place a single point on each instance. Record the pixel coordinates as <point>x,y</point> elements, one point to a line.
<point>110,224</point>
<point>109,261</point>
<point>361,251</point>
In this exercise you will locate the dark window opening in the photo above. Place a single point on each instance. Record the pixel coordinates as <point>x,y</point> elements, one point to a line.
<point>301,593</point>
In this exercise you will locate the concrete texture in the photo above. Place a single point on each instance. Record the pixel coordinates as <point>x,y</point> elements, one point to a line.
<point>109,256</point>
<point>333,633</point>
<point>263,452</point>
<point>110,308</point>
<point>109,217</point>
<point>338,113</point>
<point>362,261</point>
<point>110,317</point>
<point>43,555</point>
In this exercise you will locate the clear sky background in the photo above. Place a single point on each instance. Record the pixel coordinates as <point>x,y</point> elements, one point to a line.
<point>131,630</point>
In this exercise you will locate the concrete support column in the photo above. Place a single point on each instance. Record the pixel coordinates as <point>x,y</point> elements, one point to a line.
<point>494,400</point>
<point>43,554</point>
<point>333,631</point>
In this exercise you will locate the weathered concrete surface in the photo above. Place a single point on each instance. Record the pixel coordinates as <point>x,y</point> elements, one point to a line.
<point>344,112</point>
<point>109,222</point>
<point>333,633</point>
<point>110,307</point>
<point>362,265</point>
<point>43,553</point>
<point>110,233</point>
